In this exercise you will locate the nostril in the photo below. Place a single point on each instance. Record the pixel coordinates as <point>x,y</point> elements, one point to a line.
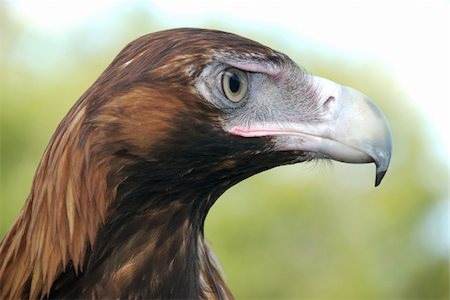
<point>328,104</point>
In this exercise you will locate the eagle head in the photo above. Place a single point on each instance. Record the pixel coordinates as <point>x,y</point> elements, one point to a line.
<point>210,106</point>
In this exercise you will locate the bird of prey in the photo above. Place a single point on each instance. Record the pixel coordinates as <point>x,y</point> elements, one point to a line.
<point>119,199</point>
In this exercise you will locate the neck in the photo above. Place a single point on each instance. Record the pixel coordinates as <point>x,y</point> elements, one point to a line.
<point>151,246</point>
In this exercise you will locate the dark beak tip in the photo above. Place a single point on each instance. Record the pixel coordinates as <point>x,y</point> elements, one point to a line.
<point>379,177</point>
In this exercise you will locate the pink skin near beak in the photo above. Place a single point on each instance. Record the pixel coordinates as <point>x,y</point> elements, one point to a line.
<point>352,129</point>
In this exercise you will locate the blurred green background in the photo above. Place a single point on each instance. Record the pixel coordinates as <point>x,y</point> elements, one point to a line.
<point>311,231</point>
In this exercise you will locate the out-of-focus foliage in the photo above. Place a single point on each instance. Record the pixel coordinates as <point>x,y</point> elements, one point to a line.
<point>307,231</point>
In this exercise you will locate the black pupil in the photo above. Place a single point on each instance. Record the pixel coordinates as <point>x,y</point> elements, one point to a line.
<point>235,83</point>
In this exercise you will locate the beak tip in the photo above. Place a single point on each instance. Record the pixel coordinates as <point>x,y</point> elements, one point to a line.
<point>379,177</point>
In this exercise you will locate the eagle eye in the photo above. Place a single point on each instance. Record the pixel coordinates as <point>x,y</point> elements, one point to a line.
<point>234,84</point>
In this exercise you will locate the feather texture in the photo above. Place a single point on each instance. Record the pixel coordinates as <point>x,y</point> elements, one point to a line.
<point>119,199</point>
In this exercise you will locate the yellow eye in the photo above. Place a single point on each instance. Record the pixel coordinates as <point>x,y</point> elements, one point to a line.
<point>234,84</point>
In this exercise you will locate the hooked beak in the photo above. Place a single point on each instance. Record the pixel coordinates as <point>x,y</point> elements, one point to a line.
<point>351,129</point>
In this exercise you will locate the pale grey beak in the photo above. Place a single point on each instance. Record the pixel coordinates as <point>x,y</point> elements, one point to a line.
<point>356,124</point>
<point>351,129</point>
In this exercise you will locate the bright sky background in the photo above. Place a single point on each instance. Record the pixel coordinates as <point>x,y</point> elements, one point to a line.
<point>417,31</point>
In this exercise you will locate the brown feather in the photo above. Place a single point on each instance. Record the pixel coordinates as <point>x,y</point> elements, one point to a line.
<point>79,234</point>
<point>53,223</point>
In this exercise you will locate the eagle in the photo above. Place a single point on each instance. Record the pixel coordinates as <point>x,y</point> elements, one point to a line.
<point>119,199</point>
